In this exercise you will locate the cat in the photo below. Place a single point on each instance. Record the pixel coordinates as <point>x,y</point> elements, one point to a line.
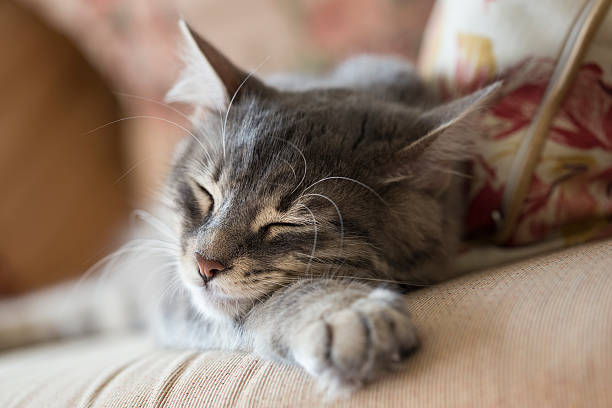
<point>296,212</point>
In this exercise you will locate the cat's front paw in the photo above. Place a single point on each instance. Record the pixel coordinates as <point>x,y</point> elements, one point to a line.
<point>355,344</point>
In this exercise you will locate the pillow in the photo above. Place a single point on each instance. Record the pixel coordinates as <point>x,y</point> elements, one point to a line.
<point>543,170</point>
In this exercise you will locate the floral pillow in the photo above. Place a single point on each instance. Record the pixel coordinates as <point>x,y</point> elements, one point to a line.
<point>569,192</point>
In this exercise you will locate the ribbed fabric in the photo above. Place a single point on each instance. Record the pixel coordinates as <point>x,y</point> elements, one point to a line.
<point>532,334</point>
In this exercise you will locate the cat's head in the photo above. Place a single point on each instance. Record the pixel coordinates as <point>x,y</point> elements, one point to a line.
<point>274,186</point>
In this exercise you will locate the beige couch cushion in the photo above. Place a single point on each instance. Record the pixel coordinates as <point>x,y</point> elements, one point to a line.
<point>533,334</point>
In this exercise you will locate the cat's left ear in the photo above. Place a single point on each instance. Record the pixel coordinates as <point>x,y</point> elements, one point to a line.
<point>209,80</point>
<point>448,138</point>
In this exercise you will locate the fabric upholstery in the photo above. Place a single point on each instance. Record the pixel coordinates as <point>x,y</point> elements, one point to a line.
<point>531,334</point>
<point>473,42</point>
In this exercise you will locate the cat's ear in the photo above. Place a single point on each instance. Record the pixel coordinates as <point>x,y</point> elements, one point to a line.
<point>209,80</point>
<point>448,138</point>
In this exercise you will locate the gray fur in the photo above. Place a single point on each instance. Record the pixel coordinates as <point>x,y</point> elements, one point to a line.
<point>361,164</point>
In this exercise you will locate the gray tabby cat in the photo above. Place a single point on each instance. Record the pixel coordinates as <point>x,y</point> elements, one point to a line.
<point>299,208</point>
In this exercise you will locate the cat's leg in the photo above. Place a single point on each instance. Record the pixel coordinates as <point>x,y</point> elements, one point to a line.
<point>344,334</point>
<point>65,310</point>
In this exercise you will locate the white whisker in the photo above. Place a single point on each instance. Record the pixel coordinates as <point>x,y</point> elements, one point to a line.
<point>339,218</point>
<point>303,158</point>
<point>154,222</point>
<point>184,129</point>
<point>370,189</point>
<point>159,103</point>
<point>292,169</point>
<point>133,167</point>
<point>452,172</point>
<point>314,245</point>
<point>383,280</point>
<point>107,263</point>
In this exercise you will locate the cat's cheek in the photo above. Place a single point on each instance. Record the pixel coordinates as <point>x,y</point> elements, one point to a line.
<point>188,272</point>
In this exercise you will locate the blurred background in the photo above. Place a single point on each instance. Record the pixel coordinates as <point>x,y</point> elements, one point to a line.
<point>83,137</point>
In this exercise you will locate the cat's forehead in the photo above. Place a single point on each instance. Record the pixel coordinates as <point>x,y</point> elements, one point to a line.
<point>268,142</point>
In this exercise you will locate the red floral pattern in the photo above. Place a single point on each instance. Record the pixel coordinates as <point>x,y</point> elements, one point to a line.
<point>573,181</point>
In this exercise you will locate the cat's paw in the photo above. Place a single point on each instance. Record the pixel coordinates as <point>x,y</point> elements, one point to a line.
<point>355,344</point>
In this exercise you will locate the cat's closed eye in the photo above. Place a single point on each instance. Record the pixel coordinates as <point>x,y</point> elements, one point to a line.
<point>204,198</point>
<point>274,227</point>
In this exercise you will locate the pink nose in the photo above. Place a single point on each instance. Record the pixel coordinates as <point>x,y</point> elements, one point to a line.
<point>208,267</point>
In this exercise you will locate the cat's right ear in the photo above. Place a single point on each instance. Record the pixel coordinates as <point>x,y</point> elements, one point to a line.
<point>209,80</point>
<point>449,136</point>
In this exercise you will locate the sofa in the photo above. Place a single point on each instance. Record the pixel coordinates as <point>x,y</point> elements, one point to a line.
<point>534,333</point>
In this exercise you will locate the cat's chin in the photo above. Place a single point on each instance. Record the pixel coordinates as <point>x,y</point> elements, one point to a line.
<point>219,306</point>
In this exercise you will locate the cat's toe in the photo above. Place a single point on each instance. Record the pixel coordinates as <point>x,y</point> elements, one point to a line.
<point>334,351</point>
<point>394,337</point>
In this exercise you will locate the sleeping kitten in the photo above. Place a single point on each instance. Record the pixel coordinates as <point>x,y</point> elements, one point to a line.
<point>299,208</point>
